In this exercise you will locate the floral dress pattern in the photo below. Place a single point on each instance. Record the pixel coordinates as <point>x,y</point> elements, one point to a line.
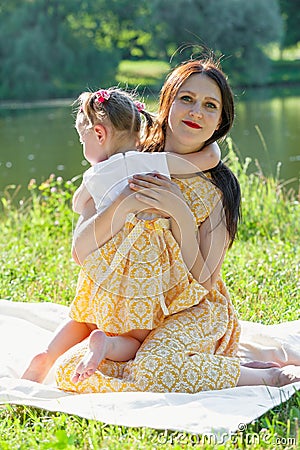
<point>195,333</point>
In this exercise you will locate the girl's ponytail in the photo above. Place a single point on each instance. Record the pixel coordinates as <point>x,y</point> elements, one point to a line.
<point>149,121</point>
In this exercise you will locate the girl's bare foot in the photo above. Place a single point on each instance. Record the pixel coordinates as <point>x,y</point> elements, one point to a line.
<point>98,342</point>
<point>38,368</point>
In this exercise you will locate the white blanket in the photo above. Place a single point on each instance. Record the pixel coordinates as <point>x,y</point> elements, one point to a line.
<point>25,328</point>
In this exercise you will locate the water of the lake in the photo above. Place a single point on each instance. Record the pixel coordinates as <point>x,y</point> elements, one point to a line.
<point>40,139</point>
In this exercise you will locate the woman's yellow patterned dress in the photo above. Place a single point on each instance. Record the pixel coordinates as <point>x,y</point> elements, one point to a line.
<point>138,280</point>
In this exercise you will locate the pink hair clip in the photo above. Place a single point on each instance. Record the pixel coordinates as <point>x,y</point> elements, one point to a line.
<point>140,106</point>
<point>102,95</point>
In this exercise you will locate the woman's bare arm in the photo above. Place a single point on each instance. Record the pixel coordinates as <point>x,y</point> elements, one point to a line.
<point>212,240</point>
<point>203,251</point>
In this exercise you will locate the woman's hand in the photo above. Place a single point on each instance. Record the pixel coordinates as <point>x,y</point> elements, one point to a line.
<point>159,193</point>
<point>127,202</point>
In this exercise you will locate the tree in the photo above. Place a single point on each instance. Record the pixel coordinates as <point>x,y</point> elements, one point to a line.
<point>118,24</point>
<point>51,48</point>
<point>290,10</point>
<point>237,29</point>
<point>50,58</point>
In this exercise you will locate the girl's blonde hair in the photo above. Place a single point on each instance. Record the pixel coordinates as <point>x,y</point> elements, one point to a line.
<point>111,106</point>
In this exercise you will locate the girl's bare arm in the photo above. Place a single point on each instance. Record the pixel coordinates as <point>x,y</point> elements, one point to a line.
<point>205,159</point>
<point>80,199</point>
<point>94,230</point>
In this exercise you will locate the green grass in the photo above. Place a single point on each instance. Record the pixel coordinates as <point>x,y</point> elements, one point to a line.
<point>38,234</point>
<point>144,68</point>
<point>148,75</point>
<point>145,75</point>
<point>26,428</point>
<point>262,268</point>
<point>261,271</point>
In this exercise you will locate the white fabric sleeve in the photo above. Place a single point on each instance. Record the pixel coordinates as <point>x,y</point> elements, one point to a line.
<point>106,180</point>
<point>141,162</point>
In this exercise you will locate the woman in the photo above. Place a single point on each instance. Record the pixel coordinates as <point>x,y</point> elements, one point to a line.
<point>194,349</point>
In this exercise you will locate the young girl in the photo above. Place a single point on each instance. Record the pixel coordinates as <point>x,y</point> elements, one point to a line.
<point>133,288</point>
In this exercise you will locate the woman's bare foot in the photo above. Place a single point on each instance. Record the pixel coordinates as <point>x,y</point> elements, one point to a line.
<point>98,343</point>
<point>38,368</point>
<point>285,375</point>
<point>272,376</point>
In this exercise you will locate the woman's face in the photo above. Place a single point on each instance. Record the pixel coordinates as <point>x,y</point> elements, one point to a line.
<point>194,115</point>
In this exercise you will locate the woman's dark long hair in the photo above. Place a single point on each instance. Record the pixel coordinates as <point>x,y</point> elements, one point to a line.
<point>221,176</point>
<point>224,179</point>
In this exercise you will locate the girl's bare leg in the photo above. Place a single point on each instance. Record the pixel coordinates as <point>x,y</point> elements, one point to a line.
<point>101,346</point>
<point>261,364</point>
<point>66,336</point>
<point>272,376</point>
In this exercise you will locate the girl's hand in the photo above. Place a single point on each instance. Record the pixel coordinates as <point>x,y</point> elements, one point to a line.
<point>158,192</point>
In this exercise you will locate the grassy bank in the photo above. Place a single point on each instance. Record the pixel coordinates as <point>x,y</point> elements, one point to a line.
<point>143,73</point>
<point>261,272</point>
<point>148,76</point>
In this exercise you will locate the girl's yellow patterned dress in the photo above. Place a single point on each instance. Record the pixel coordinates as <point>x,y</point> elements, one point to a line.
<point>138,280</point>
